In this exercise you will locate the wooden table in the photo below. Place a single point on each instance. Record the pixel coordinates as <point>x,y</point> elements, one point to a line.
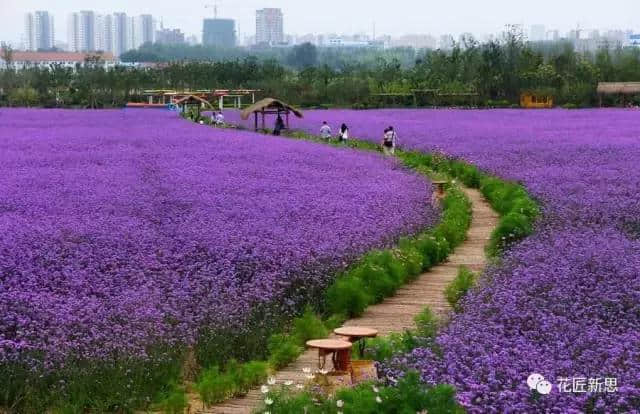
<point>340,352</point>
<point>357,334</point>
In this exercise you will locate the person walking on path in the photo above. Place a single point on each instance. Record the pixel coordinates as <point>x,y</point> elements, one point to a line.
<point>325,130</point>
<point>389,141</point>
<point>279,126</point>
<point>343,135</point>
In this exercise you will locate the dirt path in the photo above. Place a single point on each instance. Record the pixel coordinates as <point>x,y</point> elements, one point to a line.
<point>395,314</point>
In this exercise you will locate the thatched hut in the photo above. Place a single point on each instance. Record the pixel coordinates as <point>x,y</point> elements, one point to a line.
<point>270,106</point>
<point>193,103</point>
<point>622,89</point>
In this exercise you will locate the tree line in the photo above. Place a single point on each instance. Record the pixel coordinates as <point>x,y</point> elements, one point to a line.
<point>494,73</point>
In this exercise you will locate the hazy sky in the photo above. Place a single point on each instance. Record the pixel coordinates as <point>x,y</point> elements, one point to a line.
<point>394,17</point>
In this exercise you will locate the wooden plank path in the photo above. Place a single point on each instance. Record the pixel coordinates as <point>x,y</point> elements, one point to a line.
<point>396,313</point>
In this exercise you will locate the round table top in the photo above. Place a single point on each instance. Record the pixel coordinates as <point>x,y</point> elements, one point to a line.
<point>329,344</point>
<point>356,331</point>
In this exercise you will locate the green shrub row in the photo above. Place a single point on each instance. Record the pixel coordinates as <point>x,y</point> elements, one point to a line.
<point>384,348</point>
<point>409,395</point>
<point>215,385</point>
<point>380,273</point>
<point>459,287</point>
<point>518,210</point>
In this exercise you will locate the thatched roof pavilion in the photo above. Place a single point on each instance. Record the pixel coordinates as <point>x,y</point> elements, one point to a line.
<point>618,88</point>
<point>270,106</point>
<point>613,88</point>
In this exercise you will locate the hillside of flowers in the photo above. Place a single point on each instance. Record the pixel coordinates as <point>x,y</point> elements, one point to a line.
<point>565,303</point>
<point>122,230</point>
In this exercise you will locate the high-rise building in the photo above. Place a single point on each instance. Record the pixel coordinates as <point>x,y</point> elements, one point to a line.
<point>192,40</point>
<point>131,33</point>
<point>538,33</point>
<point>553,35</point>
<point>219,32</point>
<point>82,31</point>
<point>120,33</point>
<point>104,33</point>
<point>39,33</point>
<point>169,36</point>
<point>269,26</point>
<point>143,29</point>
<point>73,30</point>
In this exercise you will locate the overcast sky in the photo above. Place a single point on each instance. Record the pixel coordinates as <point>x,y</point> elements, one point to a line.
<point>394,17</point>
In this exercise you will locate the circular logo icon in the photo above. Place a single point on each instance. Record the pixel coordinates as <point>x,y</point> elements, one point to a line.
<point>533,380</point>
<point>544,387</point>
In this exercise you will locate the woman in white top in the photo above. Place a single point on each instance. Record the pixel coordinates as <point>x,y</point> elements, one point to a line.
<point>390,141</point>
<point>343,135</point>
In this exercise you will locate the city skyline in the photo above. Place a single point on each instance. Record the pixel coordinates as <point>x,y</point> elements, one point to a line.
<point>332,16</point>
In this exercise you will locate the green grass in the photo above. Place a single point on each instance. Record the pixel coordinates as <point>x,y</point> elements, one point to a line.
<point>459,287</point>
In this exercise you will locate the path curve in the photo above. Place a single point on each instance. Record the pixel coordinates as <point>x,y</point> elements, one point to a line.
<point>396,313</point>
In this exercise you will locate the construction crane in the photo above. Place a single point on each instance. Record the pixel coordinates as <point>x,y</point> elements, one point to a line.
<point>213,6</point>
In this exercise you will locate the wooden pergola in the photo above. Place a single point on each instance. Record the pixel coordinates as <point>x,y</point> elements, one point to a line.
<point>193,101</point>
<point>618,88</point>
<point>270,106</point>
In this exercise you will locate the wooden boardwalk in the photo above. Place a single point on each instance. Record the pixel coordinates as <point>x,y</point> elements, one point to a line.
<point>396,313</point>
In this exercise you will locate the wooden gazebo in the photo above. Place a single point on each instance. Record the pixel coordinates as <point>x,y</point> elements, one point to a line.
<point>194,102</point>
<point>618,88</point>
<point>270,106</point>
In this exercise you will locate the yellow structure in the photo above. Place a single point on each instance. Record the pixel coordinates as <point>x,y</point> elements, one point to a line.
<point>533,100</point>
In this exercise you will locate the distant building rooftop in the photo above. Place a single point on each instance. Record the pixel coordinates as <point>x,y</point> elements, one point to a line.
<point>18,56</point>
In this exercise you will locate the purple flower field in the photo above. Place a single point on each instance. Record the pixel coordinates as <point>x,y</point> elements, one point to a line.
<point>124,229</point>
<point>565,303</point>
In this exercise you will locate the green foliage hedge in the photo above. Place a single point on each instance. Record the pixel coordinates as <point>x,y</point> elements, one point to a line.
<point>518,210</point>
<point>380,273</point>
<point>459,287</point>
<point>408,396</point>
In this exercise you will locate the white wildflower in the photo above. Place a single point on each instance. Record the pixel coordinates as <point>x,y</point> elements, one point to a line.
<point>268,401</point>
<point>271,381</point>
<point>288,383</point>
<point>379,400</point>
<point>264,389</point>
<point>340,403</point>
<point>375,389</point>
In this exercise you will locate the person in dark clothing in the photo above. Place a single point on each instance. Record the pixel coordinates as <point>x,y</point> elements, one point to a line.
<point>279,126</point>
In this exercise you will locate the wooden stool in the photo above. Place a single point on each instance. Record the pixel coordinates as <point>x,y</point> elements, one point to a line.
<point>357,334</point>
<point>439,194</point>
<point>340,352</point>
<point>440,190</point>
